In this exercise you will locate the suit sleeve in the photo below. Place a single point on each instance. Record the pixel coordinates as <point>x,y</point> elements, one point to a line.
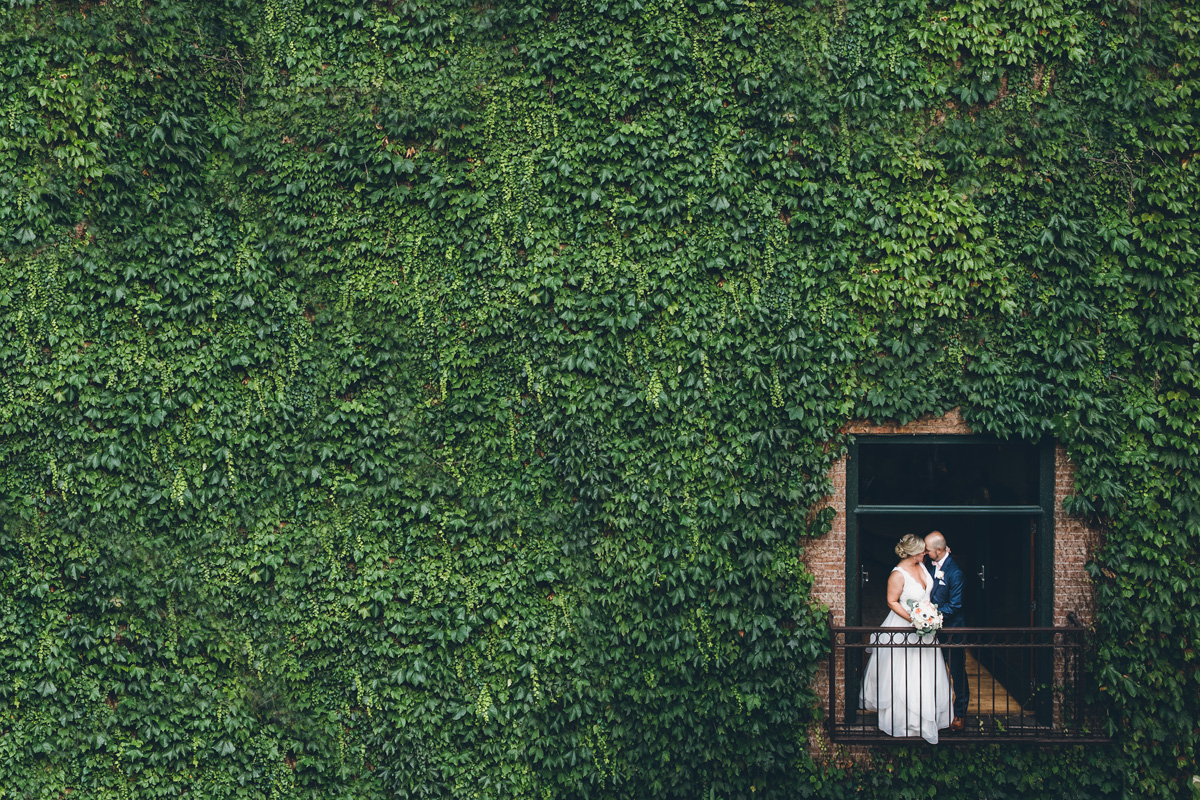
<point>954,588</point>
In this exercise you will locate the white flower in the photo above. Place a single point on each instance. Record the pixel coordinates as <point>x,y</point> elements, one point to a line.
<point>925,617</point>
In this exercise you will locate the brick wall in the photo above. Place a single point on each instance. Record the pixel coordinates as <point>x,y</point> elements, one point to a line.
<point>949,423</point>
<point>825,556</point>
<point>1074,541</point>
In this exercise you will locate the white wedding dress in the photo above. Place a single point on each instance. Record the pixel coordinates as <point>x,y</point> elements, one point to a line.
<point>908,686</point>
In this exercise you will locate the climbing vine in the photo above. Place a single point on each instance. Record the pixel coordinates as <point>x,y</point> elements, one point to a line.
<point>434,398</point>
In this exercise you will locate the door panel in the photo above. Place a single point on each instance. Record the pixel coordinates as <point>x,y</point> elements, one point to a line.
<point>1004,575</point>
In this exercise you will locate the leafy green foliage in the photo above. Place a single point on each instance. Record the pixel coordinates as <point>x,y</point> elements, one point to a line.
<point>412,399</point>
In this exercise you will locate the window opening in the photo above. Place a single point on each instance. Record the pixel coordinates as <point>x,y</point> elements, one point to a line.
<point>993,500</point>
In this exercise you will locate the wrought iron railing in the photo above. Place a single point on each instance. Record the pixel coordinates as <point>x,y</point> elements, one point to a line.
<point>1025,684</point>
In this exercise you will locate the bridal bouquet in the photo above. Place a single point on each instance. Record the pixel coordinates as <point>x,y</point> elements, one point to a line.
<point>925,617</point>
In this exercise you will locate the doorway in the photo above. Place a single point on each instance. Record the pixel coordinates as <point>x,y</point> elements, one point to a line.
<point>993,501</point>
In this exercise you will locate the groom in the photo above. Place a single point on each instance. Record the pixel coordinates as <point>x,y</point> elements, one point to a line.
<point>947,595</point>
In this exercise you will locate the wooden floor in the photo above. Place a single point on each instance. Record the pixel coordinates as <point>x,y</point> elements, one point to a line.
<point>988,696</point>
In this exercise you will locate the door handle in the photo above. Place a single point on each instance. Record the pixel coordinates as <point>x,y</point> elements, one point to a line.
<point>982,576</point>
<point>866,576</point>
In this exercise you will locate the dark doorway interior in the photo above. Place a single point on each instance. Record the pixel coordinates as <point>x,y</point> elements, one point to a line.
<point>974,473</point>
<point>995,553</point>
<point>987,497</point>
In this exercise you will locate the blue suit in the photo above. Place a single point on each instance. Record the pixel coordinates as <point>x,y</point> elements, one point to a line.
<point>947,595</point>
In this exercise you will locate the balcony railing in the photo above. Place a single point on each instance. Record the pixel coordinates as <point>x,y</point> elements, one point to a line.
<point>1025,684</point>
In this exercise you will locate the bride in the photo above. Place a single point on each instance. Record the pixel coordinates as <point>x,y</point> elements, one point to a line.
<point>908,686</point>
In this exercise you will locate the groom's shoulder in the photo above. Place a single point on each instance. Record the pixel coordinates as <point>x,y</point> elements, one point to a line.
<point>951,565</point>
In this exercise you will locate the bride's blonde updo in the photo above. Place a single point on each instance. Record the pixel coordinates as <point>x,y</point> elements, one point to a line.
<point>910,546</point>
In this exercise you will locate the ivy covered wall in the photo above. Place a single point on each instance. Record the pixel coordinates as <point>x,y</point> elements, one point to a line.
<point>414,399</point>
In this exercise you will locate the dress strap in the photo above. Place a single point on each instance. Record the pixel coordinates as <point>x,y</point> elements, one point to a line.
<point>925,583</point>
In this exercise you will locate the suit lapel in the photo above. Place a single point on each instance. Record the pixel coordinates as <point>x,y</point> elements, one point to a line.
<point>932,569</point>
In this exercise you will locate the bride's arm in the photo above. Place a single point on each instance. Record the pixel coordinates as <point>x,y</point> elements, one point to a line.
<point>895,587</point>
